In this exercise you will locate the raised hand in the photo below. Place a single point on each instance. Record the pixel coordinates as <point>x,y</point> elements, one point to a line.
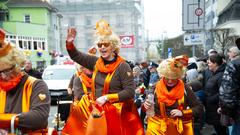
<point>71,35</point>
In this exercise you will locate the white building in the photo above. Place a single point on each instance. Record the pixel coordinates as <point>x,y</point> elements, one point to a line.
<point>228,12</point>
<point>126,17</point>
<point>210,22</point>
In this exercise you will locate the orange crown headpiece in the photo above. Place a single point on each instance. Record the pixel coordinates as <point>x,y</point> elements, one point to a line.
<point>103,28</point>
<point>173,68</point>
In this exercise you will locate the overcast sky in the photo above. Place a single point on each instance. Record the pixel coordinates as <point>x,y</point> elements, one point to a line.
<point>163,15</point>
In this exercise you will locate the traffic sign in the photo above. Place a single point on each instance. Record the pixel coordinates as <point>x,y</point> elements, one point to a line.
<point>127,41</point>
<point>193,38</point>
<point>198,12</point>
<point>169,52</point>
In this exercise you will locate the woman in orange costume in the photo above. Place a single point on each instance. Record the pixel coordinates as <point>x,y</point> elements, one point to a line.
<point>23,98</point>
<point>175,103</point>
<point>112,85</point>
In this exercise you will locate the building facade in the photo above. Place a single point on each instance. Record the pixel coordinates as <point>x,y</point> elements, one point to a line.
<point>34,27</point>
<point>229,15</point>
<point>126,17</point>
<point>210,22</point>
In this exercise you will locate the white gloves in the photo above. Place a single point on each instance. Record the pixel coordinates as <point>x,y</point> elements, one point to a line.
<point>176,113</point>
<point>3,132</point>
<point>102,100</point>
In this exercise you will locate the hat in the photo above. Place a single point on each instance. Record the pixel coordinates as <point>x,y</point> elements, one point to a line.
<point>153,65</point>
<point>237,42</point>
<point>173,68</point>
<point>10,56</point>
<point>212,51</point>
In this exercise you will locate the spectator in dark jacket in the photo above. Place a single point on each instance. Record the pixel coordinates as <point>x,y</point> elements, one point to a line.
<point>208,73</point>
<point>30,71</point>
<point>215,64</point>
<point>146,73</point>
<point>154,78</point>
<point>230,89</point>
<point>196,86</point>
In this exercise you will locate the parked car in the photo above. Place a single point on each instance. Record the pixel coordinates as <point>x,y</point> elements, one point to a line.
<point>57,78</point>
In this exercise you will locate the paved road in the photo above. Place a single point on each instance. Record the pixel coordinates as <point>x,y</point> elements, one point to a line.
<point>53,111</point>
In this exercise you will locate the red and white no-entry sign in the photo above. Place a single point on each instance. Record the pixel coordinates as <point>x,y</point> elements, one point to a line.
<point>198,12</point>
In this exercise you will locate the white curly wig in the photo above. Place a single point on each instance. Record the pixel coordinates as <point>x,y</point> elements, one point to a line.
<point>11,57</point>
<point>113,39</point>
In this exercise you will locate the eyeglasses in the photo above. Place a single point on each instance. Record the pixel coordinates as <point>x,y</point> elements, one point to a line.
<point>103,44</point>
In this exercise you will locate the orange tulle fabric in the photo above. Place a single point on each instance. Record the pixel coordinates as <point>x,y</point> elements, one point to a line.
<point>77,120</point>
<point>122,118</point>
<point>169,97</point>
<point>109,68</point>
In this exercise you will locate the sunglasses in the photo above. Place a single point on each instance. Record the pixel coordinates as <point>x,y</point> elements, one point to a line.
<point>103,44</point>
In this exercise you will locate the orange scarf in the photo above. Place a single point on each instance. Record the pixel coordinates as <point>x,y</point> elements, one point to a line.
<point>169,97</point>
<point>7,86</point>
<point>109,68</point>
<point>86,80</point>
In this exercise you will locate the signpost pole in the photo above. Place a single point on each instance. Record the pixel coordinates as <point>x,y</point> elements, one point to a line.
<point>193,50</point>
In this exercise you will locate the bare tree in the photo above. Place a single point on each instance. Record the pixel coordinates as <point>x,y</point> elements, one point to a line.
<point>223,38</point>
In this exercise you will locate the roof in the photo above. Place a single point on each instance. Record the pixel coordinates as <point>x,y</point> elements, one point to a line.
<point>31,3</point>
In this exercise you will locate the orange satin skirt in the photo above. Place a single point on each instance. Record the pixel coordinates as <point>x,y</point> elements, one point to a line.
<point>168,126</point>
<point>122,118</point>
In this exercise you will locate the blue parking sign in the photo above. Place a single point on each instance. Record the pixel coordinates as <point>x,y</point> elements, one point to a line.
<point>169,52</point>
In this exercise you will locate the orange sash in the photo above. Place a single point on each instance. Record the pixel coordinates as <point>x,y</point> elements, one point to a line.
<point>27,91</point>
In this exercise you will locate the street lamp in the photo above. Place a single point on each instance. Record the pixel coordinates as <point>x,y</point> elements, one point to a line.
<point>164,35</point>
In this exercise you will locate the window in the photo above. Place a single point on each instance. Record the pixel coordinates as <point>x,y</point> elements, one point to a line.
<point>35,45</point>
<point>88,20</point>
<point>20,44</point>
<point>119,20</point>
<point>29,45</point>
<point>43,45</point>
<point>27,19</point>
<point>25,46</point>
<point>71,21</point>
<point>39,46</point>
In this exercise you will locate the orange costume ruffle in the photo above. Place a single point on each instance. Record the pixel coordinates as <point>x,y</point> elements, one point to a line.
<point>122,118</point>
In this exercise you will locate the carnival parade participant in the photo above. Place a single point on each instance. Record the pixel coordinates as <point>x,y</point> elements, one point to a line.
<point>23,98</point>
<point>174,102</point>
<point>81,81</point>
<point>112,83</point>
